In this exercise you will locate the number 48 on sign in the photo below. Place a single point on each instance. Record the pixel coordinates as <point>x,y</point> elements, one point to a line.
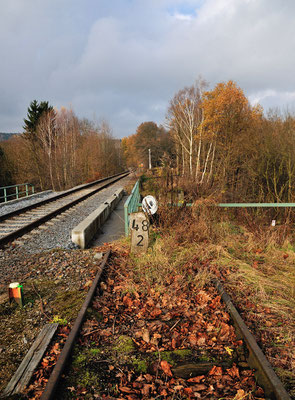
<point>139,228</point>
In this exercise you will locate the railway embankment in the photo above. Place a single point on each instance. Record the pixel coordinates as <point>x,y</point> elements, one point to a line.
<point>55,281</point>
<point>157,327</point>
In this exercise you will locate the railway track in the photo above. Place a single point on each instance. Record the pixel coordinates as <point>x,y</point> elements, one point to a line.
<point>185,375</point>
<point>19,222</point>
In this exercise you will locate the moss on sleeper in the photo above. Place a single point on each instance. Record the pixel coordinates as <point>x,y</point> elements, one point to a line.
<point>124,345</point>
<point>123,348</point>
<point>172,357</point>
<point>139,365</point>
<point>88,379</point>
<point>95,351</point>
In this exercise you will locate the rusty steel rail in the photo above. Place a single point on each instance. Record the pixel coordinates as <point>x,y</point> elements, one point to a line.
<point>58,196</point>
<point>28,227</point>
<point>264,373</point>
<point>55,376</point>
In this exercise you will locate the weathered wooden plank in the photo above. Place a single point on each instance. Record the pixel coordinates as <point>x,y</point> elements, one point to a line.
<point>24,372</point>
<point>190,370</point>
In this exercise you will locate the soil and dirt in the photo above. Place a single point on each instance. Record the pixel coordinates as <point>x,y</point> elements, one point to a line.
<point>55,284</point>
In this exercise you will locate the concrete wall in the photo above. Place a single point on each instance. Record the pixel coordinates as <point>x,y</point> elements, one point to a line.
<point>83,233</point>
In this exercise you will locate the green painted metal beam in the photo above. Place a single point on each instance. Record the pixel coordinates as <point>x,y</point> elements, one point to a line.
<point>228,205</point>
<point>18,191</point>
<point>236,205</point>
<point>131,205</point>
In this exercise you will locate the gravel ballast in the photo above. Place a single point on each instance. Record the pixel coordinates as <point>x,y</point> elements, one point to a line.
<point>55,234</point>
<point>55,276</point>
<point>14,205</point>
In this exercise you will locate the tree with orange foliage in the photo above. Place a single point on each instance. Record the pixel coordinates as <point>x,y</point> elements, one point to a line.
<point>148,136</point>
<point>129,151</point>
<point>227,115</point>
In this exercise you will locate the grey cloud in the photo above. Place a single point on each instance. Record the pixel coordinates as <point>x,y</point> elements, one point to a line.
<point>125,60</point>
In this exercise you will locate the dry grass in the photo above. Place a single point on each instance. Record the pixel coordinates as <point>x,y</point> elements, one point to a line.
<point>256,262</point>
<point>164,259</point>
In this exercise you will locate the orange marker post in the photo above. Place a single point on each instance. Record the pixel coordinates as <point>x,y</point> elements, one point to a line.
<point>15,292</point>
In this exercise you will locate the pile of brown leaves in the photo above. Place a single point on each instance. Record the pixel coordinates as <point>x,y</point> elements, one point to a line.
<point>179,316</point>
<point>176,318</point>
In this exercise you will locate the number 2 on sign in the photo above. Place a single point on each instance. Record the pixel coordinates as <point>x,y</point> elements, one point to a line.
<point>141,239</point>
<point>144,227</point>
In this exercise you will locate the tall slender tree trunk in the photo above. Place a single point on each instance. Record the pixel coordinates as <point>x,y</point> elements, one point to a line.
<point>198,159</point>
<point>206,162</point>
<point>211,164</point>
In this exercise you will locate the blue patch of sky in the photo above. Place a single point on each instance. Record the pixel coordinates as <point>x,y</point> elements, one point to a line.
<point>189,8</point>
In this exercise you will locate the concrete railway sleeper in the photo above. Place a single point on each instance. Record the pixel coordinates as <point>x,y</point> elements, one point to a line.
<point>24,220</point>
<point>126,346</point>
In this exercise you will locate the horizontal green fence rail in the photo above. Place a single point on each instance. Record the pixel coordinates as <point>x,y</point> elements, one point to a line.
<point>131,205</point>
<point>19,190</point>
<point>242,205</point>
<point>228,205</point>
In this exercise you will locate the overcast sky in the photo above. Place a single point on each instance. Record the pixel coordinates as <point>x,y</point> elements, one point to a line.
<point>123,60</point>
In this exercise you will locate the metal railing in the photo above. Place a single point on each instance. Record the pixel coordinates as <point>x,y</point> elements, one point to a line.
<point>240,205</point>
<point>131,205</point>
<point>20,189</point>
<point>248,205</point>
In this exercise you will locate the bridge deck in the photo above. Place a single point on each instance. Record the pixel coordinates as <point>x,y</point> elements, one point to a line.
<point>113,228</point>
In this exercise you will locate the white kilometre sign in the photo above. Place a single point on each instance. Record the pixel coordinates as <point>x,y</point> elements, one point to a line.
<point>149,205</point>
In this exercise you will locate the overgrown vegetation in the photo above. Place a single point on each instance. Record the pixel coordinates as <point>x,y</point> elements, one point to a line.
<point>221,145</point>
<point>254,260</point>
<point>158,318</point>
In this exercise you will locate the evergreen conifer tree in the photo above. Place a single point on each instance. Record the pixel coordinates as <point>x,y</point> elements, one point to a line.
<point>35,111</point>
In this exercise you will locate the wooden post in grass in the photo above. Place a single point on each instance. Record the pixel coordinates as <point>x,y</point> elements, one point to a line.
<point>139,229</point>
<point>15,292</point>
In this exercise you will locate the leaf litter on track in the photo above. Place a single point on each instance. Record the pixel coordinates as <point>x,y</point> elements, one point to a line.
<point>168,341</point>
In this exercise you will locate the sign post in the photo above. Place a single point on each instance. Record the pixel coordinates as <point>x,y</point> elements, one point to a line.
<point>139,228</point>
